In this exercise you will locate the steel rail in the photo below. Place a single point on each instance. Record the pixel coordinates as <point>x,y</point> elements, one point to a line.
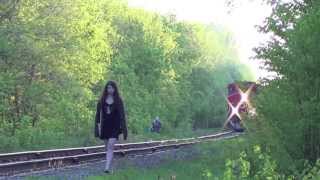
<point>58,158</point>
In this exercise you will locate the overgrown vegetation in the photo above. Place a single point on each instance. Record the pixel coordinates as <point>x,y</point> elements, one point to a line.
<point>56,56</point>
<point>288,116</point>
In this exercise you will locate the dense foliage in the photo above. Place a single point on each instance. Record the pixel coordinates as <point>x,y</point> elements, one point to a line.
<point>288,120</point>
<point>56,56</point>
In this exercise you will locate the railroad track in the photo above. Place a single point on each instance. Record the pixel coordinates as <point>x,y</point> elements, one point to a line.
<point>31,161</point>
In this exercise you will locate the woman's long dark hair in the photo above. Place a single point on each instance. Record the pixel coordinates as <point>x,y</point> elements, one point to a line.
<point>116,95</point>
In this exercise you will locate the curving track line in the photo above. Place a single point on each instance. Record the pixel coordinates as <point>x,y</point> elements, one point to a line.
<point>24,162</point>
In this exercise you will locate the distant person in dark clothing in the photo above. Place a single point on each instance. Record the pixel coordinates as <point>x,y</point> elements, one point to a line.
<point>156,125</point>
<point>110,120</point>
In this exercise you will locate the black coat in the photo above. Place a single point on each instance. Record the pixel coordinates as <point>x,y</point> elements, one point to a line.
<point>118,114</point>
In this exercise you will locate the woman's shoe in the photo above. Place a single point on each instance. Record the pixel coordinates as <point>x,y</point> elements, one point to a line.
<point>107,171</point>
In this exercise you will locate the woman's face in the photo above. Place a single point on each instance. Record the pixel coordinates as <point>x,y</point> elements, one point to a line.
<point>110,90</point>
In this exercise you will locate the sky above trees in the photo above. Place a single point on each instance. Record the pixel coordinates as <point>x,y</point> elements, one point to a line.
<point>240,18</point>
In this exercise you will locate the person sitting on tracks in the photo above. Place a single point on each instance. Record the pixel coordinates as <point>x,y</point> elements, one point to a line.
<point>110,120</point>
<point>156,125</point>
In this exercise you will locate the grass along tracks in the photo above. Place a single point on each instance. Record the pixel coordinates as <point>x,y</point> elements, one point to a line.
<point>24,162</point>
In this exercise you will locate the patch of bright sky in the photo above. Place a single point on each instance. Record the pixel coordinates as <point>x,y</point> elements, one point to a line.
<point>241,20</point>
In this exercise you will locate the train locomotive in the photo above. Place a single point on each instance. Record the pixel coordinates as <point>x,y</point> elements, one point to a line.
<point>239,94</point>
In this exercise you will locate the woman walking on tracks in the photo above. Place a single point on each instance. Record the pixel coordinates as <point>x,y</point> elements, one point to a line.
<point>110,120</point>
